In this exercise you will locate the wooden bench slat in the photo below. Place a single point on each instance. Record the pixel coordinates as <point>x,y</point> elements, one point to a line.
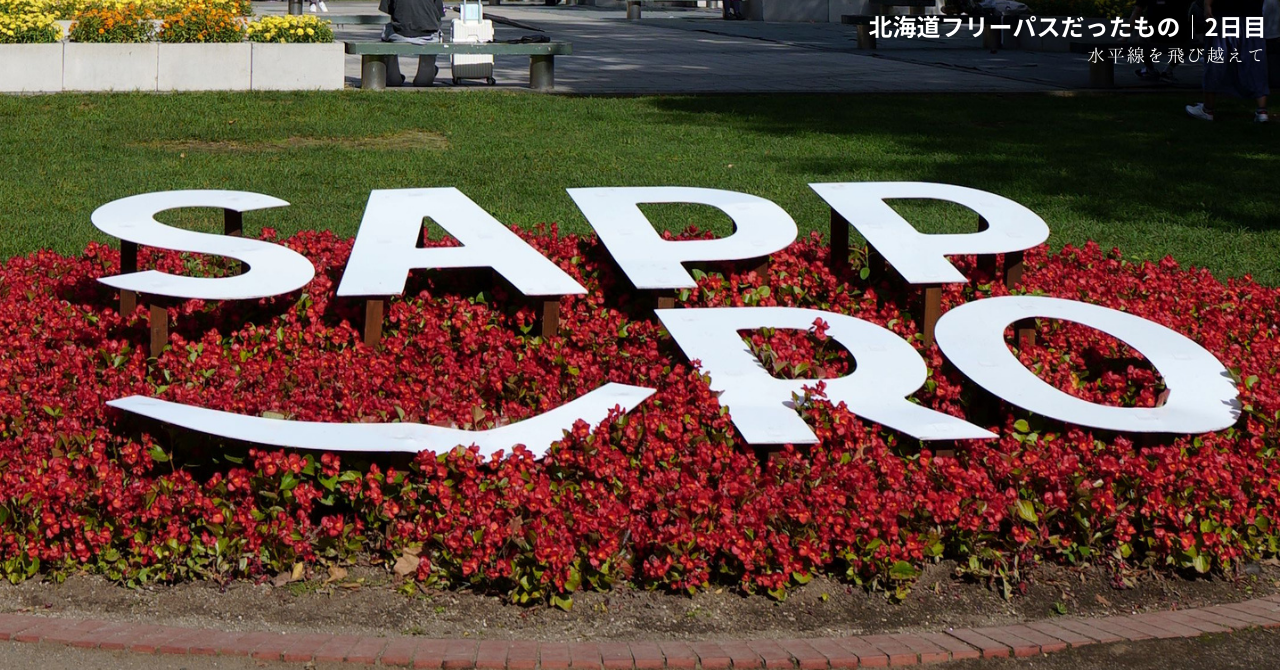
<point>441,48</point>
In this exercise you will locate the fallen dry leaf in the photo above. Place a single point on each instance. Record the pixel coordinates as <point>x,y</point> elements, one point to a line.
<point>336,574</point>
<point>1102,601</point>
<point>406,565</point>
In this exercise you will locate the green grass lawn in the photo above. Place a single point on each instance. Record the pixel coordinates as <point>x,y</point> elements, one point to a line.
<point>1124,170</point>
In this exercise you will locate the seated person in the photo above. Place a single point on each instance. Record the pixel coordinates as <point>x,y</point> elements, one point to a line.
<point>1157,11</point>
<point>414,22</point>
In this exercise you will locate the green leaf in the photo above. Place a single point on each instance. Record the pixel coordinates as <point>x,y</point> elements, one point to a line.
<point>1027,511</point>
<point>158,455</point>
<point>563,602</point>
<point>574,580</point>
<point>1201,563</point>
<point>864,272</point>
<point>903,571</point>
<point>1021,426</point>
<point>1250,381</point>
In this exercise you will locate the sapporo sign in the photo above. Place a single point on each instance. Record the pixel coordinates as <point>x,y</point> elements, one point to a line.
<point>1201,394</point>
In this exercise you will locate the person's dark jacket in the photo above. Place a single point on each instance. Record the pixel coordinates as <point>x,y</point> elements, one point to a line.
<point>414,18</point>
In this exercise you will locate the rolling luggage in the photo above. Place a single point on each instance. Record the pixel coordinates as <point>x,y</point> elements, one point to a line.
<point>472,27</point>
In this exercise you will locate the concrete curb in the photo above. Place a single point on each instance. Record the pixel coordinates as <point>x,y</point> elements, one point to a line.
<point>866,651</point>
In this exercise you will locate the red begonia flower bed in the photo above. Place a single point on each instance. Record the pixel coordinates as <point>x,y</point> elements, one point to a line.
<point>667,496</point>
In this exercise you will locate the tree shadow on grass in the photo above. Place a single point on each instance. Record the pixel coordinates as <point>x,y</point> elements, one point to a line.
<point>1114,158</point>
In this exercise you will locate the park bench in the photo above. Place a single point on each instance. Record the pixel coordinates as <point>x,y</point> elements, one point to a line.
<point>864,21</point>
<point>1102,73</point>
<point>374,56</point>
<point>865,39</point>
<point>633,6</point>
<point>357,19</point>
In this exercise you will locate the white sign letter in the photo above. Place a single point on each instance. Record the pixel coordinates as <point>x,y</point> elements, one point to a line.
<point>386,246</point>
<point>1202,395</point>
<point>922,258</point>
<point>888,370</point>
<point>760,228</point>
<point>536,433</point>
<point>273,269</point>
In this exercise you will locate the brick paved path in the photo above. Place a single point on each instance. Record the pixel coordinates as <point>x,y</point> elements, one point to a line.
<point>1020,640</point>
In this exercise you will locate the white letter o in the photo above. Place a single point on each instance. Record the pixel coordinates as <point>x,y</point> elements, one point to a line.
<point>1202,394</point>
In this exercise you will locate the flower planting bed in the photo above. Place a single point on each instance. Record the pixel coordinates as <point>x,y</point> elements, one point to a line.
<point>665,497</point>
<point>156,45</point>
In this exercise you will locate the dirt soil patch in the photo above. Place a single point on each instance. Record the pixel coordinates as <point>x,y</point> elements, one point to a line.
<point>400,141</point>
<point>366,601</point>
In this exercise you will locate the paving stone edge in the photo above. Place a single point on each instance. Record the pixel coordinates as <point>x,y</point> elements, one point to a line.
<point>833,653</point>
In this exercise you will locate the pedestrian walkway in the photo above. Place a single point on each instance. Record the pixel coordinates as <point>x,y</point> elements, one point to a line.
<point>834,653</point>
<point>694,51</point>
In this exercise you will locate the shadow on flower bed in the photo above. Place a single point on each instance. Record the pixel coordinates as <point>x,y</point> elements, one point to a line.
<point>666,497</point>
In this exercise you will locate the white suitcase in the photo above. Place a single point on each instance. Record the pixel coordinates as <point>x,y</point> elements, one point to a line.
<point>472,27</point>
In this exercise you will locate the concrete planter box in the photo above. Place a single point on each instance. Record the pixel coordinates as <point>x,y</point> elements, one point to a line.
<point>110,67</point>
<point>71,66</point>
<point>204,67</point>
<point>31,68</point>
<point>298,67</point>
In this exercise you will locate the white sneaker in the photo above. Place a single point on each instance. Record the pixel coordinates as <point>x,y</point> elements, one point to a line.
<point>323,8</point>
<point>1197,111</point>
<point>1261,116</point>
<point>313,8</point>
